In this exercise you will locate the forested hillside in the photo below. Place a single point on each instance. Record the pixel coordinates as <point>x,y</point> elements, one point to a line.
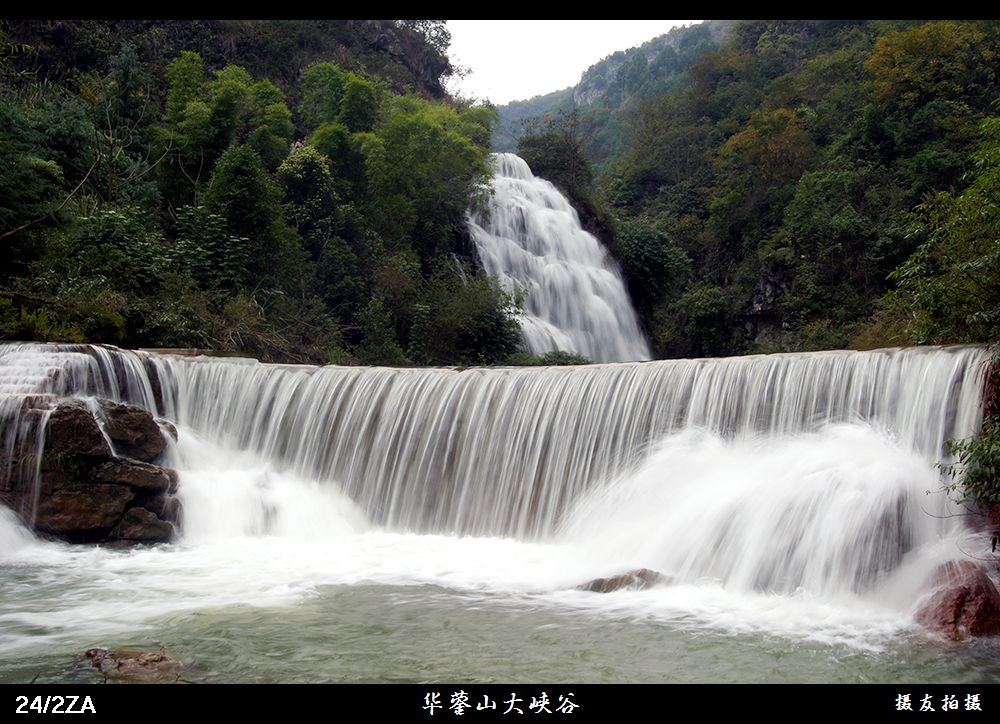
<point>809,185</point>
<point>606,96</point>
<point>803,185</point>
<point>291,190</point>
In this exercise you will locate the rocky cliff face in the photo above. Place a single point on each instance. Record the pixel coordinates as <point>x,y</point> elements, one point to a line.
<point>98,479</point>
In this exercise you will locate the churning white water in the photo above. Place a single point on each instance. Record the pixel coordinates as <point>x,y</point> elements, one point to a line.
<point>785,495</point>
<point>530,237</point>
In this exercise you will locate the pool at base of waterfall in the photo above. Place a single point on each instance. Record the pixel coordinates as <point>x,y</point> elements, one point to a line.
<point>391,608</point>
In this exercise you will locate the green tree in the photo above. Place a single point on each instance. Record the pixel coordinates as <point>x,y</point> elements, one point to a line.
<point>243,194</point>
<point>423,167</point>
<point>379,345</point>
<point>655,267</point>
<point>359,108</point>
<point>322,91</point>
<point>310,198</point>
<point>557,156</point>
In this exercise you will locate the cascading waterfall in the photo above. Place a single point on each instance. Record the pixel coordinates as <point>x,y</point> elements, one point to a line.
<point>768,472</point>
<point>530,237</point>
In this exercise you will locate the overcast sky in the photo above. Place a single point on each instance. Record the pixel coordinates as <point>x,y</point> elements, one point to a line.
<point>517,59</point>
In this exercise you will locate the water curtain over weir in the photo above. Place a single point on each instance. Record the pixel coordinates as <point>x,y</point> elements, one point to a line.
<point>766,471</point>
<point>531,239</point>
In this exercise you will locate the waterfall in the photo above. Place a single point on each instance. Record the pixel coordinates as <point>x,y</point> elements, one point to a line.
<point>530,237</point>
<point>772,471</point>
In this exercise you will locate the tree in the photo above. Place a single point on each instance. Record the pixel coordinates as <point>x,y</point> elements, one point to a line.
<point>322,91</point>
<point>244,195</point>
<point>654,265</point>
<point>310,197</point>
<point>556,155</point>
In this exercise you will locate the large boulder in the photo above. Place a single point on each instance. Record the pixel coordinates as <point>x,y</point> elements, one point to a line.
<point>964,603</point>
<point>83,491</point>
<point>73,512</point>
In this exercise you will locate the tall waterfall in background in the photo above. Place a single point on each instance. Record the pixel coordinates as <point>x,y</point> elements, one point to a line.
<point>576,298</point>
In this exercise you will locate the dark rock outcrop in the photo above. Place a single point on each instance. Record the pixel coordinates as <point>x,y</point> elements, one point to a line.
<point>965,602</point>
<point>85,491</point>
<point>636,580</point>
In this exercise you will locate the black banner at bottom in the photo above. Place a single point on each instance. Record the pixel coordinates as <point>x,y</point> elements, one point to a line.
<point>502,702</point>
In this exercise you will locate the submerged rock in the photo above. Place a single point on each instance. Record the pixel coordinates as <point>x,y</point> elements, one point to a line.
<point>636,580</point>
<point>135,665</point>
<point>966,603</point>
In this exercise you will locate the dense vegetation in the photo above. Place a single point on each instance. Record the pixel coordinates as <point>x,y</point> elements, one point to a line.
<point>298,197</point>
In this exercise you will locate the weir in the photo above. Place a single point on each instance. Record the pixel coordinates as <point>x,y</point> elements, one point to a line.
<point>530,237</point>
<point>781,458</point>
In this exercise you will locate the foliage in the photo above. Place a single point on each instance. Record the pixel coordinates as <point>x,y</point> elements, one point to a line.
<point>22,324</point>
<point>760,186</point>
<point>548,359</point>
<point>380,346</point>
<point>976,470</point>
<point>654,265</point>
<point>153,195</point>
<point>796,167</point>
<point>322,91</point>
<point>205,252</point>
<point>248,200</point>
<point>557,156</point>
<point>422,166</point>
<point>952,280</point>
<point>470,320</point>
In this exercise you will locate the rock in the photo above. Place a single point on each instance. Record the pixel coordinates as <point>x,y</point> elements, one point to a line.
<point>81,492</point>
<point>82,512</point>
<point>965,602</point>
<point>143,526</point>
<point>146,477</point>
<point>135,665</point>
<point>72,430</point>
<point>636,580</point>
<point>167,427</point>
<point>166,507</point>
<point>133,431</point>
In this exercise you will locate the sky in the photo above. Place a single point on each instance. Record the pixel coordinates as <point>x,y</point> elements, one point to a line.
<point>517,59</point>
